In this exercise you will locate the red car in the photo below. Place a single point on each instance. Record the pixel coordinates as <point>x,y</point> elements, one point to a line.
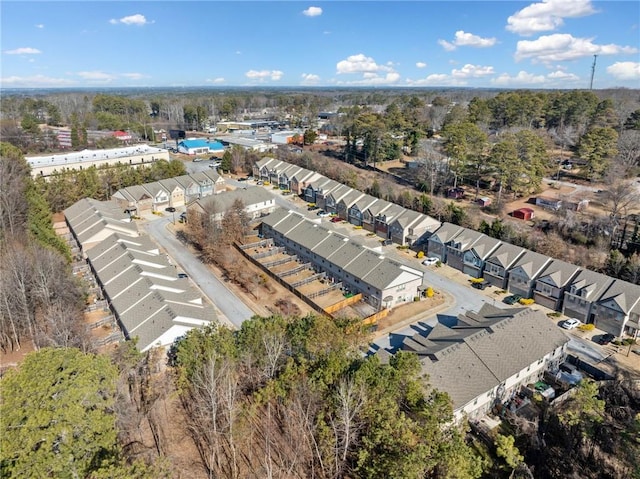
<point>336,219</point>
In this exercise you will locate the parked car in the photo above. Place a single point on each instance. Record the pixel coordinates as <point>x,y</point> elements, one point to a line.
<point>323,214</point>
<point>182,275</point>
<point>430,261</point>
<point>571,323</point>
<point>606,338</point>
<point>170,209</point>
<point>480,284</point>
<point>513,299</point>
<point>336,219</point>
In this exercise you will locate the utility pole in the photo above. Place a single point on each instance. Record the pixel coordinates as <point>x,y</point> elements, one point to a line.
<point>593,71</point>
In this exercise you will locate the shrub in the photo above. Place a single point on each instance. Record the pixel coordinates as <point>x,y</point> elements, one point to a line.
<point>420,255</point>
<point>439,264</point>
<point>526,301</point>
<point>555,314</point>
<point>416,298</point>
<point>476,280</point>
<point>430,292</point>
<point>357,227</point>
<point>587,327</point>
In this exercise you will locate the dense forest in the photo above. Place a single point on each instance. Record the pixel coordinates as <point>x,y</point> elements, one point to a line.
<point>297,396</point>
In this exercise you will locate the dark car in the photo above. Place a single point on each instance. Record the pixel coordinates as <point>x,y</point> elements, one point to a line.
<point>480,284</point>
<point>513,299</point>
<point>182,275</point>
<point>170,209</point>
<point>606,339</point>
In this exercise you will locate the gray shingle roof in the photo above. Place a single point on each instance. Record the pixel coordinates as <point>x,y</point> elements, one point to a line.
<point>594,283</point>
<point>558,273</point>
<point>447,232</point>
<point>249,196</point>
<point>532,263</point>
<point>466,239</point>
<point>485,246</point>
<point>626,295</point>
<point>486,350</point>
<point>506,255</point>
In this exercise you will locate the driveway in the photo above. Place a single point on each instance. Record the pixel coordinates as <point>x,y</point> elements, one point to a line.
<point>234,311</point>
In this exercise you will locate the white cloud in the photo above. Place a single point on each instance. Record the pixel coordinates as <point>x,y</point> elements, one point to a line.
<point>563,46</point>
<point>312,12</point>
<point>472,71</point>
<point>262,75</point>
<point>310,79</point>
<point>437,79</point>
<point>547,15</point>
<point>562,75</point>
<point>446,45</point>
<point>39,25</point>
<point>238,52</point>
<point>522,78</point>
<point>370,79</point>
<point>421,65</point>
<point>133,76</point>
<point>23,51</point>
<point>137,19</point>
<point>360,64</point>
<point>465,39</point>
<point>97,76</point>
<point>35,81</point>
<point>625,70</point>
<point>215,80</point>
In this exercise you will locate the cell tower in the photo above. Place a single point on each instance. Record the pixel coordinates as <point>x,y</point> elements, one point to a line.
<point>593,71</point>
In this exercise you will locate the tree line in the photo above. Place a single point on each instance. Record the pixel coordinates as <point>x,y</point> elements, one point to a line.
<point>68,186</point>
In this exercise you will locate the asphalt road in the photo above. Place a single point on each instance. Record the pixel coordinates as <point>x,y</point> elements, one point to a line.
<point>233,309</point>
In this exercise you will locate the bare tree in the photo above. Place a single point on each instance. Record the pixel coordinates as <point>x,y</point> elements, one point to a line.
<point>349,399</point>
<point>628,150</point>
<point>619,194</point>
<point>14,174</point>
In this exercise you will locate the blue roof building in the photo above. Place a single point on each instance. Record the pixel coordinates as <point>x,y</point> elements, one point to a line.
<point>199,147</point>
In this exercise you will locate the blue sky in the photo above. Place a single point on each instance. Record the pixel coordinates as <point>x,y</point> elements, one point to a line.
<point>498,44</point>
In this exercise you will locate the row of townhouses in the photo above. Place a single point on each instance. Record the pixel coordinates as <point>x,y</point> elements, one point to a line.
<point>142,288</point>
<point>171,192</point>
<point>384,283</point>
<point>386,219</point>
<point>612,304</point>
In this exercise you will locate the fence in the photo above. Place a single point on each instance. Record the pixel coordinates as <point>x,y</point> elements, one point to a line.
<point>96,306</point>
<point>304,298</point>
<point>590,369</point>
<point>280,261</point>
<point>374,318</point>
<point>269,252</point>
<point>295,270</point>
<point>343,304</point>
<point>324,291</point>
<point>80,268</point>
<point>112,338</point>
<point>308,280</point>
<point>106,320</point>
<point>258,244</point>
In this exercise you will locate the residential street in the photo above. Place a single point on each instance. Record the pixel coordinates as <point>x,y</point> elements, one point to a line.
<point>233,310</point>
